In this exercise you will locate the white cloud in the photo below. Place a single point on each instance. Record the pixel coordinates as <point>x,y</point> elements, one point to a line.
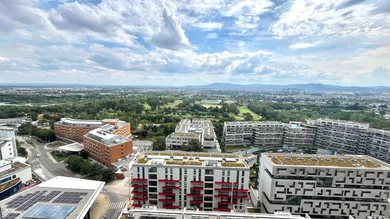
<point>209,26</point>
<point>212,36</point>
<point>171,35</point>
<point>302,45</point>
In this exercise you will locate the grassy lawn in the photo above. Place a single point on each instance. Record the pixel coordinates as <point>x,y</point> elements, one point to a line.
<point>174,104</point>
<point>212,105</point>
<point>244,109</point>
<point>57,158</point>
<point>230,148</point>
<point>55,144</point>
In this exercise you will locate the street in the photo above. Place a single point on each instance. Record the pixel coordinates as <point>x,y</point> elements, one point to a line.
<point>43,166</point>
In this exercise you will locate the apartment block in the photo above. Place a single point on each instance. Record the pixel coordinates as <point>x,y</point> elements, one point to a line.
<point>196,128</point>
<point>299,134</point>
<point>325,186</point>
<point>176,180</point>
<point>8,148</point>
<point>105,147</point>
<point>253,133</point>
<point>74,129</point>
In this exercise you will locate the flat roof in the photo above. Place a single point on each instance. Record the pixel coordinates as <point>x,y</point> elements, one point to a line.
<point>142,143</point>
<point>347,161</point>
<point>74,147</point>
<point>80,122</point>
<point>16,166</point>
<point>106,137</point>
<point>71,197</point>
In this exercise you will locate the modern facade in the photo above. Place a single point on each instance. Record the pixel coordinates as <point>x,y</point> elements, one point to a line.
<point>196,128</point>
<point>8,149</point>
<point>12,177</point>
<point>106,147</point>
<point>14,121</point>
<point>324,186</point>
<point>74,129</point>
<point>175,180</point>
<point>298,134</point>
<point>60,198</point>
<point>152,212</point>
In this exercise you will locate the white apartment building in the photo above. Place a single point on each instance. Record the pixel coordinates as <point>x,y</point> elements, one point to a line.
<point>7,144</point>
<point>253,133</point>
<point>198,129</point>
<point>298,134</point>
<point>324,186</point>
<point>175,180</point>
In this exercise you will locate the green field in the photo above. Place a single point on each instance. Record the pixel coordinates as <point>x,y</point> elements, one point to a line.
<point>211,105</point>
<point>174,104</point>
<point>244,109</point>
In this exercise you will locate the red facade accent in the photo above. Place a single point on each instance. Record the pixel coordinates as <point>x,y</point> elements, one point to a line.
<point>196,201</point>
<point>195,195</point>
<point>139,179</point>
<point>139,199</point>
<point>221,209</point>
<point>166,200</point>
<point>226,183</point>
<point>171,187</point>
<point>197,188</point>
<point>222,196</point>
<point>171,207</point>
<point>194,181</point>
<point>169,180</point>
<point>167,194</point>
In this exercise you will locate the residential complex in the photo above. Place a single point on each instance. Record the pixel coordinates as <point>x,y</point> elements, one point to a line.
<point>197,129</point>
<point>8,148</point>
<point>74,129</point>
<point>175,180</point>
<point>106,147</point>
<point>343,137</point>
<point>60,198</point>
<point>152,212</point>
<point>12,176</point>
<point>324,186</point>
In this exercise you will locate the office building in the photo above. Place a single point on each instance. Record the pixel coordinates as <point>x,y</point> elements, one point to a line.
<point>74,129</point>
<point>152,212</point>
<point>12,177</point>
<point>8,149</point>
<point>105,147</point>
<point>175,180</point>
<point>253,133</point>
<point>201,130</point>
<point>60,198</point>
<point>324,186</point>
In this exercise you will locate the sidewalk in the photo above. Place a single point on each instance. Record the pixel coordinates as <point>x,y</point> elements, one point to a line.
<point>99,207</point>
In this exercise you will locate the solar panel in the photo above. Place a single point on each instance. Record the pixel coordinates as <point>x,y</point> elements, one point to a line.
<point>11,216</point>
<point>43,211</point>
<point>70,197</point>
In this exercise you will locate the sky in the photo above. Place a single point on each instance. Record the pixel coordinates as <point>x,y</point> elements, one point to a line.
<point>195,42</point>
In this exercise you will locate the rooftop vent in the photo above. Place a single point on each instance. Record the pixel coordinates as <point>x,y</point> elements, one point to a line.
<point>274,158</point>
<point>287,158</point>
<point>314,158</point>
<point>300,158</point>
<point>353,160</point>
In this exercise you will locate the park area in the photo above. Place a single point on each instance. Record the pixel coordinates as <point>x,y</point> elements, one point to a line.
<point>242,115</point>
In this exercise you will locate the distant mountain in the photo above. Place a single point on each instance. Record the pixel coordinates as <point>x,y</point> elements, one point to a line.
<point>311,87</point>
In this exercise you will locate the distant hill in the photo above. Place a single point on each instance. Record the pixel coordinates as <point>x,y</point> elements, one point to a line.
<point>311,87</point>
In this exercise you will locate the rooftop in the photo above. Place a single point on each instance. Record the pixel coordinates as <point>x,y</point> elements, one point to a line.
<point>106,137</point>
<point>185,134</point>
<point>192,159</point>
<point>60,198</point>
<point>74,147</point>
<point>15,167</point>
<point>253,122</point>
<point>348,161</point>
<point>76,122</point>
<point>6,133</point>
<point>155,213</point>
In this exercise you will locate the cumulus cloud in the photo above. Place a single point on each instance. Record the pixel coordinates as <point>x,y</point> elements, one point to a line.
<point>209,26</point>
<point>171,35</point>
<point>212,36</point>
<point>302,45</point>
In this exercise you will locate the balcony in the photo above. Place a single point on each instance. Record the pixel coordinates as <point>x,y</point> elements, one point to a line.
<point>137,205</point>
<point>171,207</point>
<point>222,209</point>
<point>222,196</point>
<point>140,198</point>
<point>167,194</point>
<point>195,195</point>
<point>196,201</point>
<point>226,183</point>
<point>139,179</point>
<point>197,188</point>
<point>171,187</point>
<point>169,180</point>
<point>194,181</point>
<point>227,203</point>
<point>241,190</point>
<point>223,189</point>
<point>140,186</point>
<point>140,192</point>
<point>166,200</point>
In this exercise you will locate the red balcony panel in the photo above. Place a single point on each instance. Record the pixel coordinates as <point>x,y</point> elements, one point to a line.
<point>169,180</point>
<point>200,208</point>
<point>195,195</point>
<point>226,183</point>
<point>139,198</point>
<point>223,189</point>
<point>166,200</point>
<point>140,193</point>
<point>222,196</point>
<point>197,188</point>
<point>140,186</point>
<point>137,205</point>
<point>241,190</point>
<point>167,194</point>
<point>221,209</point>
<point>171,207</point>
<point>244,197</point>
<point>139,179</point>
<point>171,187</point>
<point>196,201</point>
<point>227,203</point>
<point>194,181</point>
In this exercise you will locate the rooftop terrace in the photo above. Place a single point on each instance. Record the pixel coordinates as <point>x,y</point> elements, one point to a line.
<point>192,159</point>
<point>356,161</point>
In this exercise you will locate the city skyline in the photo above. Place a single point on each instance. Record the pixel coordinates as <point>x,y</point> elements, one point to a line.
<point>173,43</point>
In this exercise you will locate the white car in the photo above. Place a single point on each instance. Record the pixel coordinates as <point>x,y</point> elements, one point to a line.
<point>38,155</point>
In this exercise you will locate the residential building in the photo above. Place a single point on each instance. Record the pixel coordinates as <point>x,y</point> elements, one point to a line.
<point>60,198</point>
<point>253,133</point>
<point>14,121</point>
<point>325,186</point>
<point>175,180</point>
<point>152,212</point>
<point>299,134</point>
<point>377,144</point>
<point>8,149</point>
<point>196,128</point>
<point>12,177</point>
<point>117,127</point>
<point>105,147</point>
<point>74,129</point>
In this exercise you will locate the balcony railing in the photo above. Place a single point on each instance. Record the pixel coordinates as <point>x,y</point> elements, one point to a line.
<point>195,195</point>
<point>222,209</point>
<point>171,187</point>
<point>167,194</point>
<point>196,201</point>
<point>171,207</point>
<point>169,180</point>
<point>140,198</point>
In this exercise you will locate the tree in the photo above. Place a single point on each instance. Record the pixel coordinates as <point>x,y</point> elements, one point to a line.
<point>108,175</point>
<point>159,144</point>
<point>193,145</point>
<point>248,116</point>
<point>84,154</point>
<point>75,163</point>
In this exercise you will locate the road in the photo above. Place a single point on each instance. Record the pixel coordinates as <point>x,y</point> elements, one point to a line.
<point>46,169</point>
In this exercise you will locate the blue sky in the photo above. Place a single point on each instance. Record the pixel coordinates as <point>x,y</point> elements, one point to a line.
<point>190,42</point>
